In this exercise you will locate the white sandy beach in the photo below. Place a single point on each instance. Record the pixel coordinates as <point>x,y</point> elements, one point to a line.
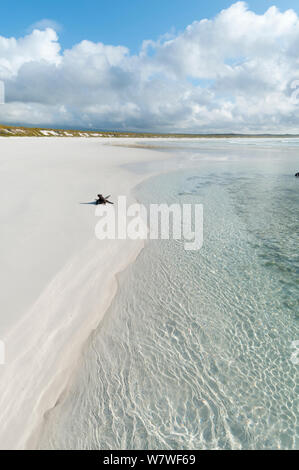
<point>57,279</point>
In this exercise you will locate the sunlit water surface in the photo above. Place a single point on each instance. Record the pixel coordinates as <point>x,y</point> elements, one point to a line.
<point>195,350</point>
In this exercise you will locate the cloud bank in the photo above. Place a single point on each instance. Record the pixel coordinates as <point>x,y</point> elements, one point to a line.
<point>232,73</point>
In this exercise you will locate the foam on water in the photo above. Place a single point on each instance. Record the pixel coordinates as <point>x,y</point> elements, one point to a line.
<point>195,351</point>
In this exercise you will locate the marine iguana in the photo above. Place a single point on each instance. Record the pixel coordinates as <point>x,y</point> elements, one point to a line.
<point>103,200</point>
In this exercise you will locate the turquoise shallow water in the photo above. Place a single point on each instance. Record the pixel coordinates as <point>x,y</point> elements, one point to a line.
<point>195,351</point>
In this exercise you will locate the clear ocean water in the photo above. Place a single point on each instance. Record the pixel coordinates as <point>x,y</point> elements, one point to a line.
<point>195,350</point>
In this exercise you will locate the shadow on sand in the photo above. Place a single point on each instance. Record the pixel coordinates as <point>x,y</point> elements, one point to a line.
<point>93,203</point>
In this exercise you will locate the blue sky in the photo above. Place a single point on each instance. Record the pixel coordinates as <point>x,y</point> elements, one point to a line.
<point>125,22</point>
<point>151,65</point>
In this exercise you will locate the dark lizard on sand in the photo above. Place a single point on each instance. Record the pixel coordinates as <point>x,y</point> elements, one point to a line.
<point>103,200</point>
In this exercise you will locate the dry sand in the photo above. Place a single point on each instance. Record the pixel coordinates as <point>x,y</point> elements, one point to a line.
<point>57,279</point>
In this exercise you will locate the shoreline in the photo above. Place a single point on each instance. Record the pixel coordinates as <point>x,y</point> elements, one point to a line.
<point>73,302</point>
<point>8,130</point>
<point>31,442</point>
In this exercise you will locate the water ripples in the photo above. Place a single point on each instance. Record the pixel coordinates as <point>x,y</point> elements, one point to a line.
<point>195,350</point>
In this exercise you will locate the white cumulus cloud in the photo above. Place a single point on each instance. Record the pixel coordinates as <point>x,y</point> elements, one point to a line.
<point>229,73</point>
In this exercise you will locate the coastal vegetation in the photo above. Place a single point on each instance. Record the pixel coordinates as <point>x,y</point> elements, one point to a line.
<point>20,131</point>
